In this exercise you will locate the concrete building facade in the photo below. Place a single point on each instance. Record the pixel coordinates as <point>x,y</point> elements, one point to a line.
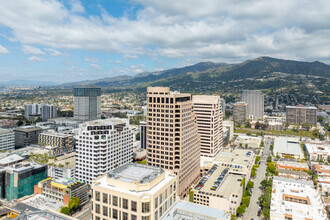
<point>209,122</point>
<point>48,112</point>
<point>255,101</point>
<point>173,141</point>
<point>7,139</point>
<point>87,103</point>
<point>143,134</point>
<point>134,191</point>
<point>240,112</point>
<point>301,115</point>
<point>101,146</point>
<point>59,142</point>
<point>27,135</point>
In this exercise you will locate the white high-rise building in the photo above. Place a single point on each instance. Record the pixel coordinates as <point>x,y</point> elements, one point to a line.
<point>101,146</point>
<point>7,139</point>
<point>48,112</point>
<point>208,113</point>
<point>255,101</point>
<point>31,109</point>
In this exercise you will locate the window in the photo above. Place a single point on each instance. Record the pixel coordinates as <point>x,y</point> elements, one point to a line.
<point>125,203</point>
<point>125,216</point>
<point>105,211</point>
<point>156,215</point>
<point>160,199</point>
<point>133,206</point>
<point>114,213</point>
<point>97,196</point>
<point>133,217</point>
<point>145,217</point>
<point>156,202</point>
<point>145,207</point>
<point>105,198</point>
<point>114,200</point>
<point>97,208</point>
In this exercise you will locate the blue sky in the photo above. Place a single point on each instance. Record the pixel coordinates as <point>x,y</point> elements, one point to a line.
<point>72,40</point>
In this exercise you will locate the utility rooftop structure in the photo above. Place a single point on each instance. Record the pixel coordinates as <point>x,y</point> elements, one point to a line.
<point>135,191</point>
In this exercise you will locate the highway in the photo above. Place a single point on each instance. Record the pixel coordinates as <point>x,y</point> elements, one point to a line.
<point>252,211</point>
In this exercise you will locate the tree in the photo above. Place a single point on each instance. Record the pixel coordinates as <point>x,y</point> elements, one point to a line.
<point>19,123</point>
<point>257,159</point>
<point>65,210</point>
<point>305,126</point>
<point>246,201</point>
<point>257,125</point>
<point>269,159</point>
<point>241,209</point>
<point>271,167</point>
<point>250,185</point>
<point>67,164</point>
<point>247,193</point>
<point>74,203</point>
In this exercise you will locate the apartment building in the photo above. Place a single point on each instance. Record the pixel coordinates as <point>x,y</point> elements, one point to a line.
<point>301,114</point>
<point>87,103</point>
<point>48,112</point>
<point>240,112</point>
<point>62,189</point>
<point>26,135</point>
<point>318,151</point>
<point>255,101</point>
<point>291,165</point>
<point>209,122</point>
<point>173,141</point>
<point>7,139</point>
<point>59,143</point>
<point>101,146</point>
<point>295,199</point>
<point>134,191</point>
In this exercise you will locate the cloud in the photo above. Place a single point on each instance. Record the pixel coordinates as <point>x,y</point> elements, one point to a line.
<point>215,30</point>
<point>91,60</point>
<point>4,50</point>
<point>37,59</point>
<point>95,65</point>
<point>32,50</point>
<point>54,52</point>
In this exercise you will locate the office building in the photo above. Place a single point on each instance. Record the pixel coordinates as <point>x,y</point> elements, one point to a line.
<point>7,139</point>
<point>101,146</point>
<point>48,112</point>
<point>87,103</point>
<point>240,112</point>
<point>295,199</point>
<point>134,191</point>
<point>63,167</point>
<point>27,135</point>
<point>62,189</point>
<point>255,101</point>
<point>189,210</point>
<point>173,141</point>
<point>143,134</point>
<point>21,178</point>
<point>30,109</point>
<point>209,122</point>
<point>301,115</point>
<point>58,143</point>
<point>223,106</point>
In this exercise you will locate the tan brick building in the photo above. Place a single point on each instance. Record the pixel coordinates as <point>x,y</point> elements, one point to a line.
<point>173,141</point>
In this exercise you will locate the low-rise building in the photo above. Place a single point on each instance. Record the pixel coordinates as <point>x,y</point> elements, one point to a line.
<point>294,174</point>
<point>62,189</point>
<point>7,139</point>
<point>247,141</point>
<point>318,151</point>
<point>291,165</point>
<point>27,135</point>
<point>63,167</point>
<point>11,160</point>
<point>323,182</point>
<point>134,191</point>
<point>295,199</point>
<point>287,148</point>
<point>46,214</point>
<point>189,210</point>
<point>230,126</point>
<point>301,114</point>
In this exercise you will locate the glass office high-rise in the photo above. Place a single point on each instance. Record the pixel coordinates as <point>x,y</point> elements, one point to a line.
<point>87,103</point>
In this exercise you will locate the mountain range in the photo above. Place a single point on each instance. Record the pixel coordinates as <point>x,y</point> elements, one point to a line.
<point>210,72</point>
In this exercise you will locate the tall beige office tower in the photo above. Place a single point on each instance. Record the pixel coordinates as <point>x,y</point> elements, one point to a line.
<point>172,138</point>
<point>208,112</point>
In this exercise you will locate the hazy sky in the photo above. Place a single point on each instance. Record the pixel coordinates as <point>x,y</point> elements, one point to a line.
<point>72,40</point>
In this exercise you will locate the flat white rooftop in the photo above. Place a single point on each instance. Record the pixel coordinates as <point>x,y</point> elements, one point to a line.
<point>11,159</point>
<point>287,146</point>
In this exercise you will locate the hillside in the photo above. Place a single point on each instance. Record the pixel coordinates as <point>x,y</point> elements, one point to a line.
<point>208,72</point>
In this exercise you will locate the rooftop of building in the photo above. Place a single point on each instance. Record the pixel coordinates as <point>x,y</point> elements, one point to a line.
<point>11,159</point>
<point>322,168</point>
<point>5,131</point>
<point>22,167</point>
<point>209,99</point>
<point>192,211</point>
<point>291,163</point>
<point>287,146</point>
<point>136,173</point>
<point>62,183</point>
<point>302,107</point>
<point>87,87</point>
<point>293,172</point>
<point>69,158</point>
<point>41,202</point>
<point>27,128</point>
<point>56,134</point>
<point>318,148</point>
<point>231,183</point>
<point>25,151</point>
<point>43,215</point>
<point>297,198</point>
<point>106,122</point>
<point>128,178</point>
<point>240,104</point>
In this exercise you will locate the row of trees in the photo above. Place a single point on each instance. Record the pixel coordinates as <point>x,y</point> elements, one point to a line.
<point>246,196</point>
<point>73,206</point>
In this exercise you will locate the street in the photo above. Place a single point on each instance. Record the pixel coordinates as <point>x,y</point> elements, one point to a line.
<point>252,210</point>
<point>85,214</point>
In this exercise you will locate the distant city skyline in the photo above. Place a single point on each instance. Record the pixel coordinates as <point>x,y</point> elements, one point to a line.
<point>73,40</point>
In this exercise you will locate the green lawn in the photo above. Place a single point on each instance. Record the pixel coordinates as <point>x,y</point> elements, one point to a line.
<point>273,132</point>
